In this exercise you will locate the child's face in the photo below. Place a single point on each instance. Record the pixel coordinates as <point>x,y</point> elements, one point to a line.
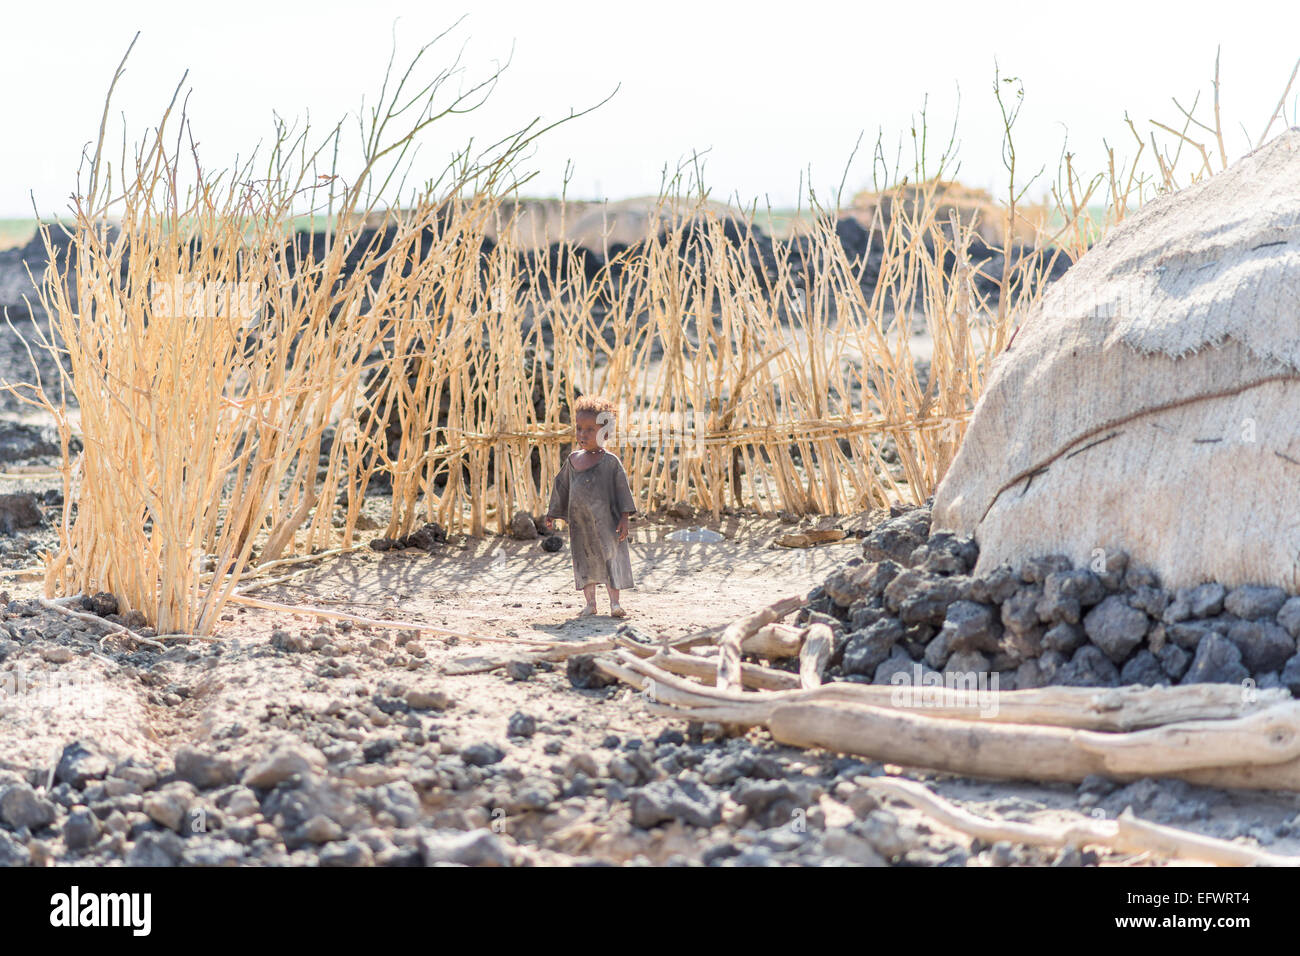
<point>589,431</point>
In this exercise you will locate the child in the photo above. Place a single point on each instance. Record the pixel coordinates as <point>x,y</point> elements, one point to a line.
<point>592,494</point>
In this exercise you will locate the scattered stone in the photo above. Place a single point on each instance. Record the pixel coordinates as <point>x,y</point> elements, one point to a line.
<point>21,806</point>
<point>523,527</point>
<point>1289,616</point>
<point>972,627</point>
<point>1174,660</point>
<point>996,588</point>
<point>1143,668</point>
<point>478,847</point>
<point>482,754</point>
<point>12,853</point>
<point>674,800</point>
<point>280,765</point>
<point>206,771</point>
<point>156,848</point>
<point>167,807</point>
<point>582,673</point>
<point>426,698</point>
<point>1036,570</point>
<point>552,543</point>
<point>78,765</point>
<point>1290,676</point>
<point>521,725</point>
<point>520,670</point>
<point>20,510</point>
<point>1064,638</point>
<point>102,604</point>
<point>81,829</point>
<point>865,650</point>
<point>860,582</point>
<point>347,853</point>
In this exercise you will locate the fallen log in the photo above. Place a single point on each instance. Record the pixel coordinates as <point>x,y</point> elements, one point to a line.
<point>736,632</point>
<point>751,675</point>
<point>774,641</point>
<point>1016,751</point>
<point>1127,834</point>
<point>814,654</point>
<point>1105,709</point>
<point>808,539</point>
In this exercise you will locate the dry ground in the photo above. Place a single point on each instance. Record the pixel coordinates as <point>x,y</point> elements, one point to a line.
<point>236,695</point>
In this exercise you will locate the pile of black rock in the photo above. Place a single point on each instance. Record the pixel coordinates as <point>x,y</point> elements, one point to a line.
<point>911,607</point>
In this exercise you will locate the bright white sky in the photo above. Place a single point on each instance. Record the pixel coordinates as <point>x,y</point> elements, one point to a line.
<point>771,89</point>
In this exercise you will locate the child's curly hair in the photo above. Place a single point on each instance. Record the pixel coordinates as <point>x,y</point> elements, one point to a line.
<point>593,405</point>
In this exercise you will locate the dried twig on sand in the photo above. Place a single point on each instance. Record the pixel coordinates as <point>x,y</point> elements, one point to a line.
<point>1127,834</point>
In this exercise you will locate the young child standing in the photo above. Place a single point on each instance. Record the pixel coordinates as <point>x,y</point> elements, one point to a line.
<point>592,494</point>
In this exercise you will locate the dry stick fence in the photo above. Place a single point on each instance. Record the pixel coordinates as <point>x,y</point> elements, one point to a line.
<point>448,366</point>
<point>739,381</point>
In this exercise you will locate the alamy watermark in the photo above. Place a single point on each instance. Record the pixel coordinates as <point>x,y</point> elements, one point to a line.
<point>205,298</point>
<point>70,695</point>
<point>923,688</point>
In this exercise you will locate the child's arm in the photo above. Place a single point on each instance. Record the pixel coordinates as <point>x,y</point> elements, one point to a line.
<point>559,505</point>
<point>624,503</point>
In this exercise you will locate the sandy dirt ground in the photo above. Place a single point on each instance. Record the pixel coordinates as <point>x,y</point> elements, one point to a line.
<point>274,678</point>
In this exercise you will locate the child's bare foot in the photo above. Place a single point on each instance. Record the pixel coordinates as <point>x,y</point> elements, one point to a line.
<point>616,610</point>
<point>588,611</point>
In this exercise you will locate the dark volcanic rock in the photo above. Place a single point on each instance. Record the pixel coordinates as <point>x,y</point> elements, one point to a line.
<point>582,673</point>
<point>19,511</point>
<point>1089,668</point>
<point>1264,646</point>
<point>867,649</point>
<point>1289,616</point>
<point>1252,603</point>
<point>996,587</point>
<point>1202,601</point>
<point>1143,668</point>
<point>858,582</point>
<point>1036,570</point>
<point>1065,638</point>
<point>1217,661</point>
<point>1067,593</point>
<point>674,800</point>
<point>204,770</point>
<point>20,442</point>
<point>1115,627</point>
<point>78,765</point>
<point>972,627</point>
<point>917,597</point>
<point>898,537</point>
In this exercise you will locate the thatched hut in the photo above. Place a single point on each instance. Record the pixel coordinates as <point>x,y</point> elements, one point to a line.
<point>1151,401</point>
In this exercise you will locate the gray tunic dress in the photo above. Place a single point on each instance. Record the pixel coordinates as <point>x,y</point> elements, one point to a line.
<point>592,502</point>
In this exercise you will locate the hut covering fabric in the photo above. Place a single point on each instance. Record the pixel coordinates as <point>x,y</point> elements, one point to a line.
<point>1150,402</point>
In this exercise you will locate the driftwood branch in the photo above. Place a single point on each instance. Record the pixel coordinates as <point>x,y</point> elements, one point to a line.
<point>774,641</point>
<point>1020,752</point>
<point>1103,709</point>
<point>734,636</point>
<point>1128,834</point>
<point>814,654</point>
